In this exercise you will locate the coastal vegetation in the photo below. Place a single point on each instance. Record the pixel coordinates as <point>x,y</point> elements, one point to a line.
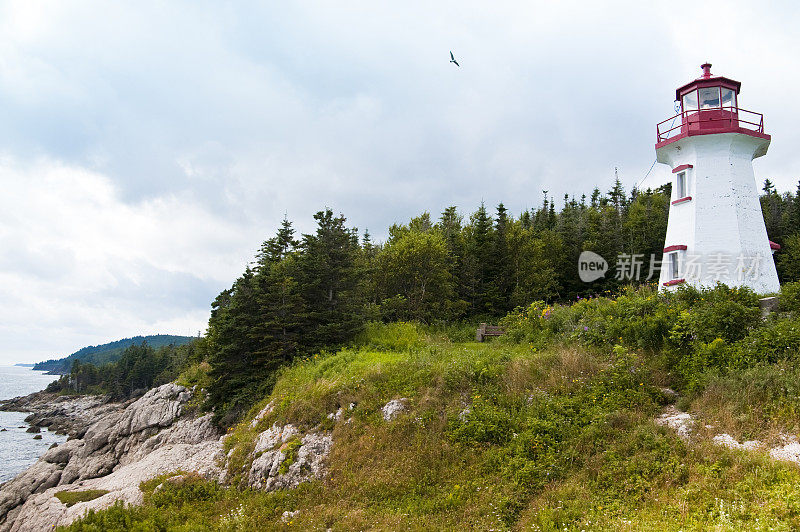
<point>546,428</point>
<point>139,368</point>
<point>303,296</point>
<point>549,427</point>
<point>99,355</point>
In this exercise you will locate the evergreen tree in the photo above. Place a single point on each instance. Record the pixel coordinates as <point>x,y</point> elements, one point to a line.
<point>796,211</point>
<point>789,259</point>
<point>478,251</point>
<point>329,280</point>
<point>500,274</point>
<point>279,246</point>
<point>277,333</point>
<point>235,379</point>
<point>595,197</point>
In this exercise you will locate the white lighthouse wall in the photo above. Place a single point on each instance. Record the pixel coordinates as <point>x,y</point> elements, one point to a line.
<point>723,220</point>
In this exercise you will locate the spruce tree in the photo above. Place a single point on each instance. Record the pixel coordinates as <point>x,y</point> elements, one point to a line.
<point>478,258</point>
<point>500,280</point>
<point>329,276</point>
<point>279,246</point>
<point>235,381</point>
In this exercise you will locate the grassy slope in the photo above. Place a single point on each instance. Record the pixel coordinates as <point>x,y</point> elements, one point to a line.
<point>555,439</point>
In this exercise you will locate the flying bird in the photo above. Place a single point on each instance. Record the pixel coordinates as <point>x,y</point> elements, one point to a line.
<point>453,59</point>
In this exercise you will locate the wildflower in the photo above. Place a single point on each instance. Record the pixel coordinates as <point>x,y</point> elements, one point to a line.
<point>585,328</point>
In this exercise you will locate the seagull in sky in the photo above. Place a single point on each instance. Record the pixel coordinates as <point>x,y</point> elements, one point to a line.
<point>453,59</point>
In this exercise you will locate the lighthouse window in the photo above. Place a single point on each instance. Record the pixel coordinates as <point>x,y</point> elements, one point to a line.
<point>709,97</point>
<point>727,98</point>
<point>681,185</point>
<point>690,101</point>
<point>673,265</point>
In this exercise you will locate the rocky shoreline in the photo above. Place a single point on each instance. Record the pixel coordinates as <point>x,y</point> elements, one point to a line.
<point>112,448</point>
<point>62,414</point>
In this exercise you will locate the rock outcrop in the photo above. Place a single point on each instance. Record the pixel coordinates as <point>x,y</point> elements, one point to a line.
<point>63,414</point>
<point>283,458</point>
<point>114,447</point>
<point>394,408</point>
<point>123,445</point>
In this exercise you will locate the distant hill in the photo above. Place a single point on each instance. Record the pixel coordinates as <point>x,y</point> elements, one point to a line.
<point>110,352</point>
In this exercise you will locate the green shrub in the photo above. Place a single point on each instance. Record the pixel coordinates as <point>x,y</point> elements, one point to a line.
<point>637,317</point>
<point>790,298</point>
<point>290,454</point>
<point>695,365</point>
<point>398,336</point>
<point>776,341</point>
<point>195,375</point>
<point>645,462</point>
<point>724,313</point>
<point>184,489</point>
<point>484,422</point>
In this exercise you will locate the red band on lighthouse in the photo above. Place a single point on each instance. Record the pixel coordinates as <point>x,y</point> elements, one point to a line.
<point>679,247</point>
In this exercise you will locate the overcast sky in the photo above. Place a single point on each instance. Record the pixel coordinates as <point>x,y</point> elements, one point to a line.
<point>148,148</point>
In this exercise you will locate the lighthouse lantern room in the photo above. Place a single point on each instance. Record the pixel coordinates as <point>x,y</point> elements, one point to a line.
<point>716,230</point>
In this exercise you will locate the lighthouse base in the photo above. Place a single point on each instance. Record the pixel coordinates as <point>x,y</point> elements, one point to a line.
<point>716,232</point>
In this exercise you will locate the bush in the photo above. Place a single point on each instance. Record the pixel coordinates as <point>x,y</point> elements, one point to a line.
<point>790,298</point>
<point>776,341</point>
<point>637,317</point>
<point>398,336</point>
<point>184,489</point>
<point>195,375</point>
<point>721,312</point>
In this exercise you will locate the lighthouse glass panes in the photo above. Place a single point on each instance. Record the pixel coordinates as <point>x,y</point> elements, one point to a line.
<point>673,265</point>
<point>728,98</point>
<point>690,101</point>
<point>681,185</point>
<point>709,97</point>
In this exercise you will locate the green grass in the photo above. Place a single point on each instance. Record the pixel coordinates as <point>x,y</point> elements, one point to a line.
<point>548,430</point>
<point>70,498</point>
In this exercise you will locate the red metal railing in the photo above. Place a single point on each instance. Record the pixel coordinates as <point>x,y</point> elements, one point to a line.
<point>713,119</point>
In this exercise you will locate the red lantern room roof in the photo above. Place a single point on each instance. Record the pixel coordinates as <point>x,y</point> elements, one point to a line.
<point>709,105</point>
<point>707,80</point>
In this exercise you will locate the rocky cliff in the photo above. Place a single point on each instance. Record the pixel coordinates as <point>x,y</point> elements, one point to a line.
<point>113,447</point>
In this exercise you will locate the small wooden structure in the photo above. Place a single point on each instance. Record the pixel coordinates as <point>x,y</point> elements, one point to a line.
<point>768,305</point>
<point>488,330</point>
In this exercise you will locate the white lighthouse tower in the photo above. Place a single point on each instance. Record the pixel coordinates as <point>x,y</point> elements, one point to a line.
<point>716,231</point>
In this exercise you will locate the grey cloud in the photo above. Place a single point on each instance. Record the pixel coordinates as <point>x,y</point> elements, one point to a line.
<point>218,119</point>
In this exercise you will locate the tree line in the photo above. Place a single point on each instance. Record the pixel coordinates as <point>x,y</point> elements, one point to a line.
<point>303,295</point>
<point>140,367</point>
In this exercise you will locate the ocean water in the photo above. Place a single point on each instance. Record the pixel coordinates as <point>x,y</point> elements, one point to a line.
<point>18,449</point>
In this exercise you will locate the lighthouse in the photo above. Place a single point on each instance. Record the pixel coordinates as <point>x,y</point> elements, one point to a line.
<point>716,230</point>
